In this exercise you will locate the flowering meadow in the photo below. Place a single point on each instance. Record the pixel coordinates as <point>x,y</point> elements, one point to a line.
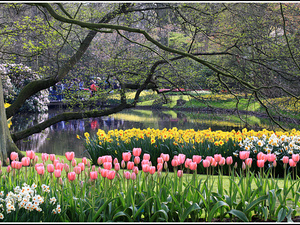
<point>223,183</point>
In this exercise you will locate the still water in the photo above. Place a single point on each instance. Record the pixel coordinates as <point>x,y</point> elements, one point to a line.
<point>61,137</point>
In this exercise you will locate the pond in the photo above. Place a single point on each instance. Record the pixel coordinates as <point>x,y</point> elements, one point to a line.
<point>61,137</point>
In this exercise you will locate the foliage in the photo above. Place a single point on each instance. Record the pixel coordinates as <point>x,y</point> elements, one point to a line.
<point>14,78</point>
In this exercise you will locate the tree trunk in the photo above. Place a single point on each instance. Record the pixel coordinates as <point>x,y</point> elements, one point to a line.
<point>6,143</point>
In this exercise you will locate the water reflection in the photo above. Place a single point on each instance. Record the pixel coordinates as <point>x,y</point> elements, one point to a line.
<point>61,137</point>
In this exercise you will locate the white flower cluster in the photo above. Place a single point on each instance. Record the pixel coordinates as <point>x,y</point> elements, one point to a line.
<point>273,144</point>
<point>25,197</point>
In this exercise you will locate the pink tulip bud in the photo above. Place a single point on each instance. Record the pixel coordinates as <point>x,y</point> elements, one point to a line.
<point>160,160</point>
<point>292,163</point>
<point>159,167</point>
<point>271,157</point>
<point>133,176</point>
<point>179,173</point>
<point>107,158</point>
<point>7,161</point>
<point>107,165</point>
<point>18,165</point>
<point>243,166</point>
<point>261,156</point>
<point>174,162</point>
<point>70,155</point>
<point>135,170</point>
<point>117,166</point>
<point>66,167</point>
<point>60,181</point>
<point>274,163</point>
<point>52,157</point>
<point>123,164</point>
<point>59,166</point>
<point>127,175</point>
<point>295,157</point>
<point>181,158</point>
<point>244,154</point>
<point>165,165</point>
<point>137,160</point>
<point>104,173</point>
<point>36,159</point>
<point>214,163</point>
<point>100,161</point>
<point>116,161</point>
<point>235,165</point>
<point>248,162</point>
<point>145,168</point>
<point>152,169</point>
<point>88,164</point>
<point>187,163</point>
<point>84,160</point>
<point>229,160</point>
<point>40,170</point>
<point>8,169</point>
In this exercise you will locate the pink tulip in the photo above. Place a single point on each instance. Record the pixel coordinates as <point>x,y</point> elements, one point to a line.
<point>37,165</point>
<point>144,161</point>
<point>70,155</point>
<point>126,156</point>
<point>214,163</point>
<point>217,157</point>
<point>159,167</point>
<point>66,167</point>
<point>295,157</point>
<point>193,166</point>
<point>145,168</point>
<point>181,158</point>
<point>222,161</point>
<point>229,160</point>
<point>174,162</point>
<point>292,163</point>
<point>82,166</point>
<point>146,157</point>
<point>136,151</point>
<point>165,165</point>
<point>93,175</point>
<point>166,157</point>
<point>18,165</point>
<point>235,165</point>
<point>260,163</point>
<point>244,155</point>
<point>261,156</point>
<point>123,164</point>
<point>243,166</point>
<point>57,173</point>
<point>107,165</point>
<point>84,160</point>
<point>271,157</point>
<point>13,164</point>
<point>30,154</point>
<point>8,169</point>
<point>100,161</point>
<point>77,170</point>
<point>285,159</point>
<point>40,170</point>
<point>160,160</point>
<point>152,169</point>
<point>135,170</point>
<point>137,160</point>
<point>73,162</point>
<point>197,158</point>
<point>52,157</point>
<point>117,166</point>
<point>107,158</point>
<point>116,161</point>
<point>179,173</point>
<point>88,164</point>
<point>248,162</point>
<point>45,157</point>
<point>133,176</point>
<point>111,174</point>
<point>274,163</point>
<point>127,175</point>
<point>50,168</point>
<point>93,168</point>
<point>187,163</point>
<point>104,173</point>
<point>209,158</point>
<point>59,166</point>
<point>36,159</point>
<point>71,176</point>
<point>14,156</point>
<point>25,161</point>
<point>206,163</point>
<point>130,165</point>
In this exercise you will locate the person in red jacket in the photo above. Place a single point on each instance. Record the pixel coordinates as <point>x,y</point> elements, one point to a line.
<point>93,88</point>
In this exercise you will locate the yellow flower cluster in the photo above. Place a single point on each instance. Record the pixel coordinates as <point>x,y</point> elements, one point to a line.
<point>286,103</point>
<point>179,136</point>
